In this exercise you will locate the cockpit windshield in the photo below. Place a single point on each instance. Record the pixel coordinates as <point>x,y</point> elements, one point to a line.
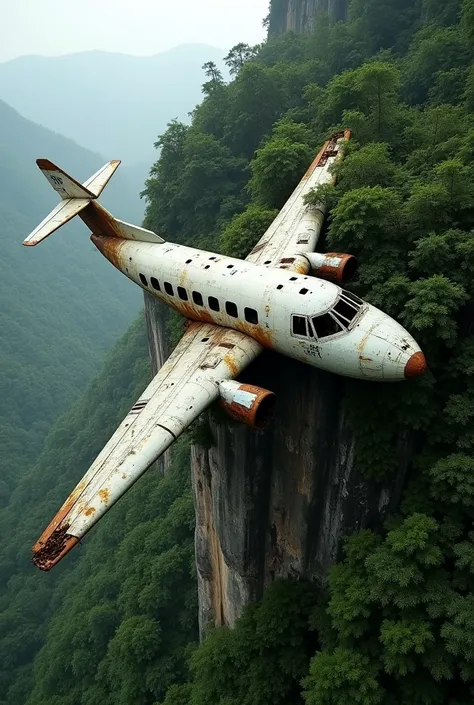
<point>339,317</point>
<point>325,325</point>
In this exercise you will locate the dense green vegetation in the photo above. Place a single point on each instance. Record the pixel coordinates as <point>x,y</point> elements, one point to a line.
<point>61,305</point>
<point>121,612</point>
<point>117,622</point>
<point>395,625</point>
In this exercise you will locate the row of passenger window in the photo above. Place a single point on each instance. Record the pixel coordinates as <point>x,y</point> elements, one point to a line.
<point>251,316</point>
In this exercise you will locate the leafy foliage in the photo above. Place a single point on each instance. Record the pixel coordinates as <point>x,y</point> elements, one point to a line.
<point>394,624</point>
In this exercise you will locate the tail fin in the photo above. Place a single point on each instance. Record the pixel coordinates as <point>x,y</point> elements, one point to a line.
<point>77,197</point>
<point>66,186</point>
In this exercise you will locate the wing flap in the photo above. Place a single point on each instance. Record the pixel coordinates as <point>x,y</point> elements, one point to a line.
<point>184,387</point>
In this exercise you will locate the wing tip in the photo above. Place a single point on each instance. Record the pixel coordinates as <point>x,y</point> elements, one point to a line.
<point>47,553</point>
<point>46,165</point>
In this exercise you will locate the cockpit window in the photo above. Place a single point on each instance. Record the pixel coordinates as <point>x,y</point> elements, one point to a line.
<point>352,297</point>
<point>345,311</point>
<point>326,325</point>
<point>300,326</point>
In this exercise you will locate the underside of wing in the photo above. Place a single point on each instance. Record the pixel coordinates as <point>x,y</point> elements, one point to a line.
<point>298,226</point>
<point>186,385</point>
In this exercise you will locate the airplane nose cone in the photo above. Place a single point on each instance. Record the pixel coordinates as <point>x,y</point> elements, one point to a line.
<point>415,366</point>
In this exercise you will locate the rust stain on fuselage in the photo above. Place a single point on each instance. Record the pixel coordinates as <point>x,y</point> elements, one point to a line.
<point>111,248</point>
<point>229,360</point>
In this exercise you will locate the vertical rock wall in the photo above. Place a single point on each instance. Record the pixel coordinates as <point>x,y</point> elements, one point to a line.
<point>156,316</point>
<point>299,15</point>
<point>276,504</point>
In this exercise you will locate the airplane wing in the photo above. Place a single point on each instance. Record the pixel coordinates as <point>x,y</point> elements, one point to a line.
<point>185,386</point>
<point>297,227</point>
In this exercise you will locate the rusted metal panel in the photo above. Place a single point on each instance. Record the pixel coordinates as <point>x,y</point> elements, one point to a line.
<point>247,403</point>
<point>332,266</point>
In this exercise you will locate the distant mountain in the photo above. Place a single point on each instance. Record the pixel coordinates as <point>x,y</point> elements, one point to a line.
<point>61,304</point>
<point>114,104</point>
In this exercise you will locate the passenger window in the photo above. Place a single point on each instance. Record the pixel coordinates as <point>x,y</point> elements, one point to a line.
<point>326,325</point>
<point>182,293</point>
<point>155,283</point>
<point>345,311</point>
<point>143,279</point>
<point>299,326</point>
<point>213,304</point>
<point>197,298</point>
<point>231,309</point>
<point>251,316</point>
<point>169,289</point>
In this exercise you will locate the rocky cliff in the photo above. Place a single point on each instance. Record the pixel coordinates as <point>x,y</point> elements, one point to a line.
<point>276,503</point>
<point>156,316</point>
<point>299,15</point>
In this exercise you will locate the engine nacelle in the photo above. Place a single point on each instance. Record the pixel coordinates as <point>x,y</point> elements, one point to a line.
<point>251,405</point>
<point>332,266</point>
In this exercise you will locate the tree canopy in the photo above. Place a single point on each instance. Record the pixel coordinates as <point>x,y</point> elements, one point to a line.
<point>393,624</point>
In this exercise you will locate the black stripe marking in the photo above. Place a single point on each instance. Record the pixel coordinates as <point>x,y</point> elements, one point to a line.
<point>167,429</point>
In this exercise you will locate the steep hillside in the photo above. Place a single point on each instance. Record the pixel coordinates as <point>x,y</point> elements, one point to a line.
<point>61,304</point>
<point>114,104</point>
<point>391,622</point>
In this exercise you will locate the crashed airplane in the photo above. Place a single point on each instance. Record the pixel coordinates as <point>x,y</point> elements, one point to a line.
<point>284,296</point>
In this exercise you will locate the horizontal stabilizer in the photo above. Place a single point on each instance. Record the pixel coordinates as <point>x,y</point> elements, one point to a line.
<point>135,232</point>
<point>60,215</point>
<point>100,179</point>
<point>65,185</point>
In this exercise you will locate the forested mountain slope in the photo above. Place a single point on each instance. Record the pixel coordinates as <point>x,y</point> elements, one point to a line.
<point>61,305</point>
<point>114,104</point>
<point>393,625</point>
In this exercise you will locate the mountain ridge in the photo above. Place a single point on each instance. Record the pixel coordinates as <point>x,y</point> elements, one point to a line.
<point>103,100</point>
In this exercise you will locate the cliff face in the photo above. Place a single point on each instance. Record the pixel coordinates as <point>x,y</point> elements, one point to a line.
<point>276,504</point>
<point>156,316</point>
<point>298,15</point>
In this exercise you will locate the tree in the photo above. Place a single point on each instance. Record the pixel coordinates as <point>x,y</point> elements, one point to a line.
<point>238,55</point>
<point>341,677</point>
<point>245,230</point>
<point>215,78</point>
<point>277,168</point>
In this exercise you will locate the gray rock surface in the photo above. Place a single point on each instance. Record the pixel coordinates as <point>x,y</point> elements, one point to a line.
<point>299,15</point>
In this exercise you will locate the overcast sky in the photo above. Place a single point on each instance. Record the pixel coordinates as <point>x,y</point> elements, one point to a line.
<point>52,27</point>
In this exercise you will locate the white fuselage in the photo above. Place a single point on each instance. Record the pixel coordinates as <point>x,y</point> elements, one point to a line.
<point>280,309</point>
